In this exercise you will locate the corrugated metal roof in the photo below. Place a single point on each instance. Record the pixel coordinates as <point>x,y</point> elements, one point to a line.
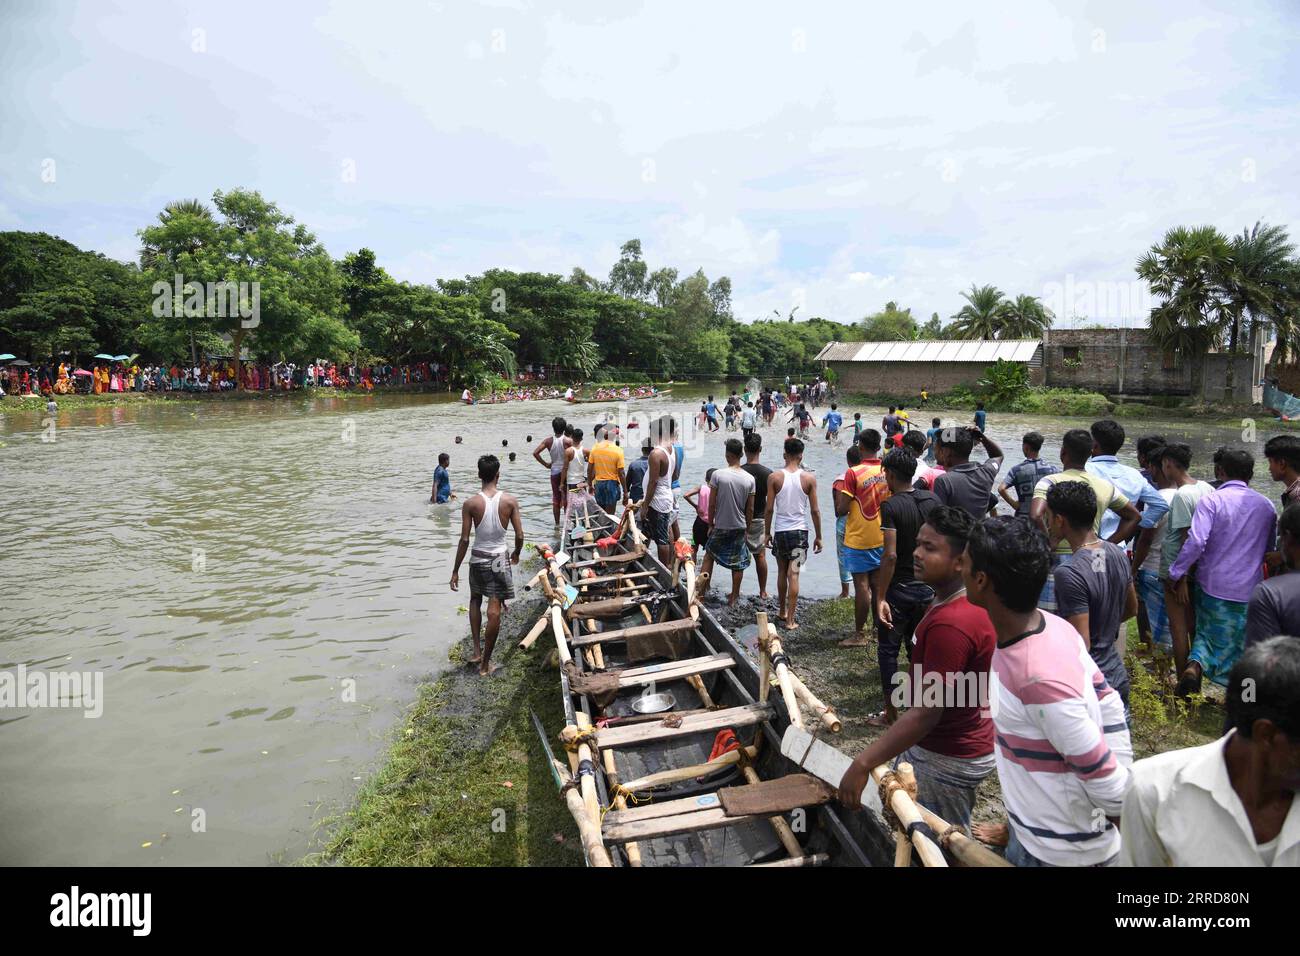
<point>1013,350</point>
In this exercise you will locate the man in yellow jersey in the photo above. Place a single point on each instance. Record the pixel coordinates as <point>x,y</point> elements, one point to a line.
<point>607,471</point>
<point>865,489</point>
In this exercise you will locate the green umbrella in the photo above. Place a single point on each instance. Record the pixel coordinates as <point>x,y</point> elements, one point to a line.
<point>121,358</point>
<point>103,356</point>
<point>6,357</point>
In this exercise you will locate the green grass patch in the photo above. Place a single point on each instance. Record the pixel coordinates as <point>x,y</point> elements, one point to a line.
<point>466,782</point>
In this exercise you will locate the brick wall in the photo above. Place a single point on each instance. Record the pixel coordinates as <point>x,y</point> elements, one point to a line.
<point>1126,362</point>
<point>905,379</point>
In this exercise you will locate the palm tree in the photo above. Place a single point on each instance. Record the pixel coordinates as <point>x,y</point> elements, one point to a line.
<point>979,317</point>
<point>1258,282</point>
<point>1184,270</point>
<point>1024,317</point>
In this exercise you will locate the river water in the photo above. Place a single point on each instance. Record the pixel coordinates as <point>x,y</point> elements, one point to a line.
<point>263,585</point>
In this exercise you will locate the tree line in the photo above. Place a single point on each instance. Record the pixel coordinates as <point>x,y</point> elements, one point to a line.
<point>638,323</point>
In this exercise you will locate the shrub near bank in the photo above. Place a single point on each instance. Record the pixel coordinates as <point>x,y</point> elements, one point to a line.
<point>1031,401</point>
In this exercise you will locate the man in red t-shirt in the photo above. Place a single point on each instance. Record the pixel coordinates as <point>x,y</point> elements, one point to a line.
<point>947,732</point>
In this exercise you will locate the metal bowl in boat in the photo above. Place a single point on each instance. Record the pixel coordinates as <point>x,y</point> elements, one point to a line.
<point>654,703</point>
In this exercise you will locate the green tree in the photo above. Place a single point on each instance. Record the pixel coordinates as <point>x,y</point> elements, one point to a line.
<point>891,324</point>
<point>980,317</point>
<point>628,276</point>
<point>1261,284</point>
<point>1024,317</point>
<point>1184,272</point>
<point>253,242</point>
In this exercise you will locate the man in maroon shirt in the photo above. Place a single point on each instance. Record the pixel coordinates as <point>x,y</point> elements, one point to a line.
<point>947,732</point>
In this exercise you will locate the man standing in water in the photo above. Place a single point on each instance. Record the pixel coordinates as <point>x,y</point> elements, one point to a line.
<point>490,575</point>
<point>731,509</point>
<point>657,508</point>
<point>555,444</point>
<point>791,495</point>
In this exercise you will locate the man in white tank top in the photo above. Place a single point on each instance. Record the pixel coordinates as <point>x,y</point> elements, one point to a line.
<point>791,495</point>
<point>490,568</point>
<point>658,503</point>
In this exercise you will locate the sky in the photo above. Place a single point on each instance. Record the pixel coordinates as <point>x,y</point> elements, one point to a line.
<point>827,157</point>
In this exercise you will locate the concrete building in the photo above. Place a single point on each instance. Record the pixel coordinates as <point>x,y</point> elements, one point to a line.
<point>1115,362</point>
<point>904,368</point>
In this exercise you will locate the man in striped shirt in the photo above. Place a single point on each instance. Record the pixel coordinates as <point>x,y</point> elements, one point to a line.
<point>1062,745</point>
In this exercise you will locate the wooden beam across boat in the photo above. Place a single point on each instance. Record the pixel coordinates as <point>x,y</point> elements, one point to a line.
<point>712,818</point>
<point>621,558</point>
<point>636,735</point>
<point>674,670</point>
<point>611,578</point>
<point>605,637</point>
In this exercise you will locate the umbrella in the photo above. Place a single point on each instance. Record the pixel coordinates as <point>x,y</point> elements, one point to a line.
<point>6,357</point>
<point>122,358</point>
<point>82,371</point>
<point>20,362</point>
<point>103,356</point>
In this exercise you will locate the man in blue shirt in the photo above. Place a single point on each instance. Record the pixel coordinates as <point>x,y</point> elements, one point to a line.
<point>1024,476</point>
<point>636,472</point>
<point>711,413</point>
<point>441,481</point>
<point>833,420</point>
<point>1107,439</point>
<point>980,416</point>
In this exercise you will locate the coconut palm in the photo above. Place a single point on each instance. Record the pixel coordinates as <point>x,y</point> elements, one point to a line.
<point>979,317</point>
<point>1258,282</point>
<point>1024,317</point>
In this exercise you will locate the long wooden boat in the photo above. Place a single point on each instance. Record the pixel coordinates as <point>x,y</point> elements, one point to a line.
<point>730,775</point>
<point>663,793</point>
<point>617,398</point>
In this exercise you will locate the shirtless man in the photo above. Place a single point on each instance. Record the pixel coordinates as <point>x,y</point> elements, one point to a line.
<point>559,494</point>
<point>490,570</point>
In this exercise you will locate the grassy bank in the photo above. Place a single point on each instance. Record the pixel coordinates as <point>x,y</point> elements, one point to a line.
<point>12,404</point>
<point>466,782</point>
<point>1041,401</point>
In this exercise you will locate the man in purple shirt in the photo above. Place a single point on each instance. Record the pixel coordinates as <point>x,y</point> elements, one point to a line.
<point>1231,531</point>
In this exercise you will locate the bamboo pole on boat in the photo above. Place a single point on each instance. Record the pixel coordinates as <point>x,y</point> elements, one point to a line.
<point>557,625</point>
<point>588,781</point>
<point>827,715</point>
<point>697,682</point>
<point>537,630</point>
<point>902,849</point>
<point>771,646</point>
<point>894,795</point>
<point>588,832</point>
<point>968,852</point>
<point>764,665</point>
<point>633,849</point>
<point>677,774</point>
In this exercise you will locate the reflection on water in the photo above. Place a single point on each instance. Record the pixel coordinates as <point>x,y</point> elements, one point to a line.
<point>262,595</point>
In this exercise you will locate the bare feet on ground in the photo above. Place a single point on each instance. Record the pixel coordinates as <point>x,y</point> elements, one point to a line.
<point>993,834</point>
<point>857,640</point>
